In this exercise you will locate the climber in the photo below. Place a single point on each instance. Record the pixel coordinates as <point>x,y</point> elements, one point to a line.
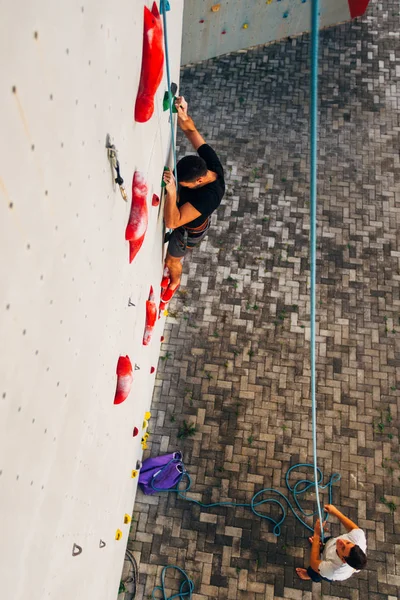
<point>340,557</point>
<point>201,188</point>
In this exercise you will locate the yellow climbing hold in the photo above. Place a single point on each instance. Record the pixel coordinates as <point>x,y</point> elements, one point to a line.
<point>118,534</point>
<point>127,518</point>
<point>216,7</point>
<point>144,446</point>
<point>165,313</point>
<point>245,25</point>
<point>147,415</point>
<point>268,2</point>
<point>146,437</point>
<point>134,473</point>
<point>145,424</point>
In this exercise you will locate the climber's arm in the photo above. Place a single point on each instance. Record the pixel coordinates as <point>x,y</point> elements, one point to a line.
<point>187,125</point>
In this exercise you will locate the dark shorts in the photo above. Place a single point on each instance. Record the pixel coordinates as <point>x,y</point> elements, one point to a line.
<point>316,576</point>
<point>181,240</point>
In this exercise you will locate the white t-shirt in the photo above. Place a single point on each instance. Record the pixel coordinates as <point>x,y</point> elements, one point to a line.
<point>331,566</point>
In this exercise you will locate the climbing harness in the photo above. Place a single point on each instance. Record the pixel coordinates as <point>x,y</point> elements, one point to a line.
<point>113,158</point>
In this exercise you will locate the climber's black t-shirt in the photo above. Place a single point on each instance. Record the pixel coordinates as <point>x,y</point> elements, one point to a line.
<point>205,199</point>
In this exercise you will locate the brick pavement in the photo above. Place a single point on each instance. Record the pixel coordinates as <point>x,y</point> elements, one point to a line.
<point>236,357</point>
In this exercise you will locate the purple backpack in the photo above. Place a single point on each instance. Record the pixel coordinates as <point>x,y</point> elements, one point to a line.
<point>161,473</point>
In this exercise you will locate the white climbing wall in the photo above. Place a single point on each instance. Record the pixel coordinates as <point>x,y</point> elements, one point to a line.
<point>69,76</point>
<point>212,27</point>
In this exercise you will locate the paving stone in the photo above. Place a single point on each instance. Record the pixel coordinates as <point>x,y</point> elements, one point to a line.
<point>238,331</point>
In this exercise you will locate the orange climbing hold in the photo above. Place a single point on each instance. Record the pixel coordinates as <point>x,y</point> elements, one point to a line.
<point>124,380</point>
<point>152,64</point>
<point>216,7</point>
<point>151,317</point>
<point>139,217</point>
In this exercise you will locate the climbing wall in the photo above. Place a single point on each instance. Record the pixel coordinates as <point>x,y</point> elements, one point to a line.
<point>212,28</point>
<point>71,302</point>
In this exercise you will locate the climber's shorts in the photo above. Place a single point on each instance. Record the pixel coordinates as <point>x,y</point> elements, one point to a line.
<point>182,239</point>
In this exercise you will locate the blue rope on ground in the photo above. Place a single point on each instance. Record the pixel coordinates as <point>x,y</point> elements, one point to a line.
<point>313,232</point>
<point>186,587</point>
<point>164,6</point>
<point>302,486</point>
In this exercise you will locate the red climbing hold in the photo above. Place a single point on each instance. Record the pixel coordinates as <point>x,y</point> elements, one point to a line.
<point>138,218</point>
<point>357,7</point>
<point>155,200</point>
<point>151,317</point>
<point>152,64</point>
<point>152,369</point>
<point>124,381</point>
<point>162,338</point>
<point>135,431</point>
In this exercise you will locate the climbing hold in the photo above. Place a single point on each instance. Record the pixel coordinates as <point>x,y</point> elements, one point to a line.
<point>152,64</point>
<point>245,25</point>
<point>164,6</point>
<point>152,369</point>
<point>145,424</point>
<point>286,14</point>
<point>201,21</point>
<point>76,550</point>
<point>124,380</point>
<point>113,158</point>
<point>162,338</point>
<point>268,2</point>
<point>144,446</point>
<point>147,415</point>
<point>102,544</point>
<point>163,184</point>
<point>135,431</point>
<point>223,32</point>
<point>137,368</point>
<point>146,437</point>
<point>216,7</point>
<point>138,218</point>
<point>138,464</point>
<point>118,534</point>
<point>127,519</point>
<point>134,473</point>
<point>155,201</point>
<point>169,97</point>
<point>151,316</point>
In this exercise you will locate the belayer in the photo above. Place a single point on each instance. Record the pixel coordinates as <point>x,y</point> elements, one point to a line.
<point>338,558</point>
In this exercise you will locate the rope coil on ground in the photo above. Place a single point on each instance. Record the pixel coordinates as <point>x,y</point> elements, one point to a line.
<point>301,487</point>
<point>186,587</point>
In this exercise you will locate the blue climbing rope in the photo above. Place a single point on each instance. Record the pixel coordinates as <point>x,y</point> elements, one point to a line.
<point>186,587</point>
<point>164,7</point>
<point>301,487</point>
<point>313,232</point>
